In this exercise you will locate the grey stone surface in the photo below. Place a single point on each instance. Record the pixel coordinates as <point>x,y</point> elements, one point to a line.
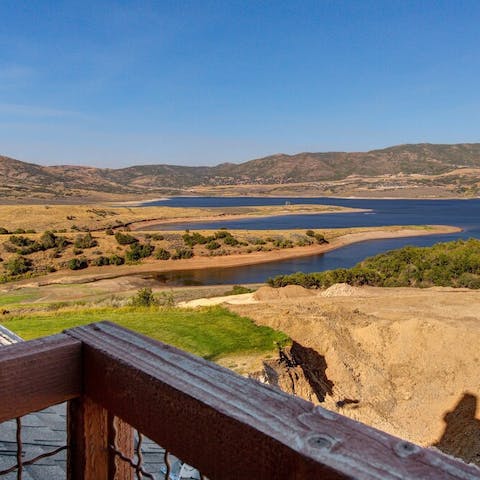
<point>45,431</point>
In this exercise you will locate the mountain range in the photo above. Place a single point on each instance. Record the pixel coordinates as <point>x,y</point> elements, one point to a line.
<point>22,179</point>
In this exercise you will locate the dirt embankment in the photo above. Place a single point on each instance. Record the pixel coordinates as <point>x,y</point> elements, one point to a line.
<point>403,360</point>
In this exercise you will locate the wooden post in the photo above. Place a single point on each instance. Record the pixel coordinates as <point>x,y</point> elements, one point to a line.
<point>88,440</point>
<point>91,430</point>
<point>122,438</point>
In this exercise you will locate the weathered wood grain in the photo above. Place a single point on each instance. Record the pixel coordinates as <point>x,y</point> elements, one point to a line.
<point>91,431</point>
<point>88,455</point>
<point>234,428</point>
<point>121,436</point>
<point>38,373</point>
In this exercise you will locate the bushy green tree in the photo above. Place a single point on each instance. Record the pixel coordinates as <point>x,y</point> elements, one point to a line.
<point>144,298</point>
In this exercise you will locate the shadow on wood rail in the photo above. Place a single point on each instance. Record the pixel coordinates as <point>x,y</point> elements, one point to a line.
<point>227,426</point>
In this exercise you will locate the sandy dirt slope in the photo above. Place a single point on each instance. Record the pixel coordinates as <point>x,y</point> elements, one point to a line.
<point>404,360</point>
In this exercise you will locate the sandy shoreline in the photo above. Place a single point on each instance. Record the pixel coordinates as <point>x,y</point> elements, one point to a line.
<point>237,260</point>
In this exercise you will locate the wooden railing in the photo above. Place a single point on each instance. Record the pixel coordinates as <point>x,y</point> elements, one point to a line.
<point>227,426</point>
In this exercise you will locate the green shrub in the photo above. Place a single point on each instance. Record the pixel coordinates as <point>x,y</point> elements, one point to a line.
<point>213,245</point>
<point>162,254</point>
<point>238,290</point>
<point>258,241</point>
<point>109,231</point>
<point>4,231</point>
<point>222,234</point>
<point>196,239</point>
<point>48,240</point>
<point>125,238</point>
<point>182,253</point>
<point>144,298</point>
<point>77,263</point>
<point>116,260</point>
<point>137,251</point>
<point>304,241</point>
<point>85,241</point>
<point>20,241</point>
<point>18,265</point>
<point>310,233</point>
<point>320,238</point>
<point>231,241</point>
<point>101,261</point>
<point>283,243</point>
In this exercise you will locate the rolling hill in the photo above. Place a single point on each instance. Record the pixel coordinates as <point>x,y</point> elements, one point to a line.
<point>21,179</point>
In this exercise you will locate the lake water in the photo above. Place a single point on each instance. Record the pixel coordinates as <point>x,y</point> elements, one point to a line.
<point>462,213</point>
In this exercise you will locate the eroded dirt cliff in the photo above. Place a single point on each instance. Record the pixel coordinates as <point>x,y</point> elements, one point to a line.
<point>405,361</point>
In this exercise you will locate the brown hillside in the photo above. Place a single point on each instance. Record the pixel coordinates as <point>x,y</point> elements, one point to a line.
<point>22,179</point>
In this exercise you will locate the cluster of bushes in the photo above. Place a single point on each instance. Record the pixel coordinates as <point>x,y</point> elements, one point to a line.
<point>182,253</point>
<point>353,276</point>
<point>304,241</point>
<point>77,263</point>
<point>17,231</point>
<point>196,239</point>
<point>227,237</point>
<point>449,264</point>
<point>317,236</point>
<point>210,242</point>
<point>282,243</point>
<point>85,241</point>
<point>18,266</point>
<point>112,260</point>
<point>137,251</point>
<point>25,246</point>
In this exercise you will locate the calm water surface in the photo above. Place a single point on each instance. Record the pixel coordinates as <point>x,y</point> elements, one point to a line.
<point>461,213</point>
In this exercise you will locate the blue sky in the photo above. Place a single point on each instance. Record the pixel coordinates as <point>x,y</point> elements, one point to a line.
<point>203,82</point>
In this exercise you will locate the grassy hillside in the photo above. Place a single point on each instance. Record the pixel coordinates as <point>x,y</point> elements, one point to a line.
<point>449,264</point>
<point>211,333</point>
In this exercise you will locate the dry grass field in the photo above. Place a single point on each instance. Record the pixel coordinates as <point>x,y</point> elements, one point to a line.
<point>101,216</point>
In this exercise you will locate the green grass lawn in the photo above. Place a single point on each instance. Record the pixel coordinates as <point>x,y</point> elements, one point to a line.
<point>212,332</point>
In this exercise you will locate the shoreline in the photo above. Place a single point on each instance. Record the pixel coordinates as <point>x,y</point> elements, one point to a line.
<point>333,197</point>
<point>224,217</point>
<point>55,201</point>
<point>236,260</point>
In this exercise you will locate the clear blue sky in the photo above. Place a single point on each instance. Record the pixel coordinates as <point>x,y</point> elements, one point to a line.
<point>202,82</point>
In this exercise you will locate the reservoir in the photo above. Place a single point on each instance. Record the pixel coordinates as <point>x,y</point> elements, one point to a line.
<point>462,213</point>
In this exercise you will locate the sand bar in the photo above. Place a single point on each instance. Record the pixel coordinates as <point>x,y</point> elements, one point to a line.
<point>98,273</point>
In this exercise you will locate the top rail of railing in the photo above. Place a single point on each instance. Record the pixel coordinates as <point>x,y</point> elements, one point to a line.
<point>226,425</point>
